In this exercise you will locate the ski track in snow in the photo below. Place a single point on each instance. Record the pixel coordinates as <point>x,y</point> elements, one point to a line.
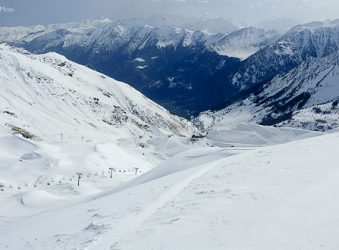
<point>135,221</point>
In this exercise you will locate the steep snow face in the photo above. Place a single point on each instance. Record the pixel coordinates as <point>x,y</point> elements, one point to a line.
<point>305,97</point>
<point>47,95</point>
<point>314,40</point>
<point>244,42</point>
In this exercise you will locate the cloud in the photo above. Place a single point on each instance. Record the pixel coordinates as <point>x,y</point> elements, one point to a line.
<point>251,11</point>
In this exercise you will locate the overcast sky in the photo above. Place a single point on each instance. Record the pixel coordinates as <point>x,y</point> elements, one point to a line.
<point>28,12</point>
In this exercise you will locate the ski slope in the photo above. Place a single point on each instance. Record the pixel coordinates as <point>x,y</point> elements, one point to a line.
<point>272,197</point>
<point>58,118</point>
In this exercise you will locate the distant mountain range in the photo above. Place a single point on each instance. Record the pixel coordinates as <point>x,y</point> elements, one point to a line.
<point>195,67</point>
<point>189,71</point>
<point>313,40</point>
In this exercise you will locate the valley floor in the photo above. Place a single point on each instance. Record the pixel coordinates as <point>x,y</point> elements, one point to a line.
<point>240,197</point>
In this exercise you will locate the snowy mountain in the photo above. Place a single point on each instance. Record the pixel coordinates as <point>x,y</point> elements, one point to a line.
<point>204,23</point>
<point>37,90</point>
<point>116,36</point>
<point>160,62</point>
<point>244,42</point>
<point>306,97</point>
<point>58,118</point>
<point>313,40</point>
<point>184,70</point>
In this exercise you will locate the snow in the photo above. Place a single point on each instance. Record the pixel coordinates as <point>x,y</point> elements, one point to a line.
<point>82,104</point>
<point>272,197</point>
<point>208,24</point>
<point>218,190</point>
<point>58,118</point>
<point>138,59</point>
<point>142,67</point>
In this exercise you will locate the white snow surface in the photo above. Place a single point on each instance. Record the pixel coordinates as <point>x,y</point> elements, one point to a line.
<point>271,197</point>
<point>58,118</point>
<point>244,42</point>
<point>37,90</point>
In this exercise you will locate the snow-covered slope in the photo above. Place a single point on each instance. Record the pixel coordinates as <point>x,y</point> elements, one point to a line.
<point>58,118</point>
<point>306,97</point>
<point>278,197</point>
<point>41,90</point>
<point>244,42</point>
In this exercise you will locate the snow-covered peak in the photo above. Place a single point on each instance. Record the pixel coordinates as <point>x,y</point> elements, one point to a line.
<point>244,42</point>
<point>47,95</point>
<point>309,40</point>
<point>113,36</point>
<point>207,24</point>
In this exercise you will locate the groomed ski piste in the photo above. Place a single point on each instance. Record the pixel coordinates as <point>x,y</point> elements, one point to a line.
<point>241,186</point>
